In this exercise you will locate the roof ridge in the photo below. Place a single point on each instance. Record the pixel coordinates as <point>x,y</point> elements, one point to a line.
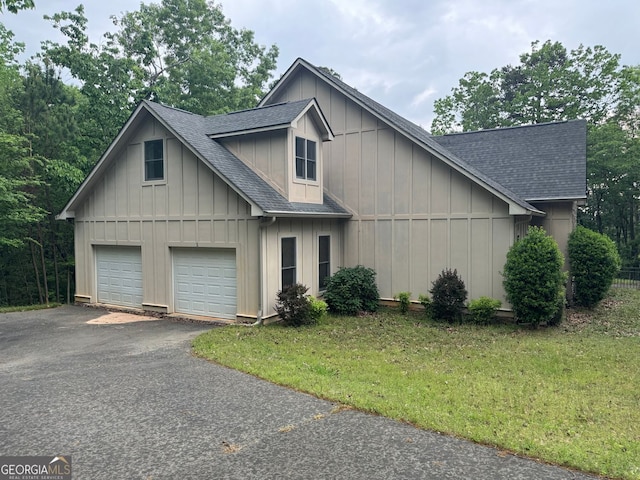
<point>511,127</point>
<point>164,105</point>
<point>264,107</point>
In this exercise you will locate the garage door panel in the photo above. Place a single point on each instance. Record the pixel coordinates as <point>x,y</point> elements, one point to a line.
<point>205,282</point>
<point>119,276</point>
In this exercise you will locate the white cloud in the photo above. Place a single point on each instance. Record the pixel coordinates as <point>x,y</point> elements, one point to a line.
<point>423,96</point>
<point>368,18</point>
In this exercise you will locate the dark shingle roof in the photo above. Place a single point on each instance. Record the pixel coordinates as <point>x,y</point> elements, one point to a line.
<point>194,131</point>
<point>281,114</point>
<point>416,133</point>
<point>538,162</point>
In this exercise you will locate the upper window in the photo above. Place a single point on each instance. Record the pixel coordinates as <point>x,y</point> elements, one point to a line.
<point>324,260</point>
<point>305,159</point>
<point>153,160</point>
<point>288,261</point>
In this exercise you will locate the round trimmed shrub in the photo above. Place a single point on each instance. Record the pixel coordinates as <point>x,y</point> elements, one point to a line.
<point>448,295</point>
<point>594,263</point>
<point>483,309</point>
<point>533,277</point>
<point>352,290</point>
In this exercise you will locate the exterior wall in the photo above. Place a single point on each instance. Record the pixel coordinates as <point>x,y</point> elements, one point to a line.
<point>266,153</point>
<point>306,232</point>
<point>192,208</point>
<point>309,191</point>
<point>413,215</point>
<point>560,221</point>
<point>272,155</point>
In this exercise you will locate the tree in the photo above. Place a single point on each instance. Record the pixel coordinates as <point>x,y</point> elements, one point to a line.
<point>184,53</point>
<point>549,84</point>
<point>17,179</point>
<point>14,6</point>
<point>473,105</point>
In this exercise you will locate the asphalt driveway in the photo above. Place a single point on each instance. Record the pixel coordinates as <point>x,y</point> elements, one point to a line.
<point>129,401</point>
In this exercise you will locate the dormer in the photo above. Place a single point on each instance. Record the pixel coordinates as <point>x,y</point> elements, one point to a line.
<point>282,143</point>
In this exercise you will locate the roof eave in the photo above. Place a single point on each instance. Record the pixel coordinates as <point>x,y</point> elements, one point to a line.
<point>318,116</point>
<point>557,199</point>
<point>236,133</point>
<point>287,214</point>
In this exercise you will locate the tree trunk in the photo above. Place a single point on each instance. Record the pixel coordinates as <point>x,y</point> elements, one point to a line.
<point>35,269</point>
<point>44,268</point>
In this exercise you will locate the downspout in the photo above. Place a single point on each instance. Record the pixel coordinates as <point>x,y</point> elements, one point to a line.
<point>262,226</point>
<point>526,220</point>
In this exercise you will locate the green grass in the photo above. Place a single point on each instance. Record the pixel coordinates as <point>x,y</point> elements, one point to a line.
<point>26,308</point>
<point>569,395</point>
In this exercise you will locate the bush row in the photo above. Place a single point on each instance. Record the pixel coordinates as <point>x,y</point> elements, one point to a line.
<point>532,278</point>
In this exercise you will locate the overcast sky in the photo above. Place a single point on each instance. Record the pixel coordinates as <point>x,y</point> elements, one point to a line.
<point>403,53</point>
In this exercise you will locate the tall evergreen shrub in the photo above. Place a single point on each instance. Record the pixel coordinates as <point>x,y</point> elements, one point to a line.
<point>533,278</point>
<point>594,263</point>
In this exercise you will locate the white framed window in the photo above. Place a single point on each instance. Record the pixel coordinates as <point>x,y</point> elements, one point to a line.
<point>306,159</point>
<point>324,260</point>
<point>153,160</point>
<point>288,264</point>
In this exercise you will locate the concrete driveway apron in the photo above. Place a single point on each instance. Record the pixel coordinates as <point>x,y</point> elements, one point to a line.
<point>129,401</point>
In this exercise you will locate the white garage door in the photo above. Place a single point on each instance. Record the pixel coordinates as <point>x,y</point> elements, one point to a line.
<point>205,282</point>
<point>119,276</point>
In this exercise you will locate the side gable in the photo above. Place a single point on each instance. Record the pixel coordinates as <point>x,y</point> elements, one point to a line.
<point>517,206</point>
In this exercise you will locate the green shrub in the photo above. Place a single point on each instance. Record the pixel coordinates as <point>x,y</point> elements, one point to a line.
<point>404,301</point>
<point>561,310</point>
<point>427,304</point>
<point>448,295</point>
<point>352,290</point>
<point>293,306</point>
<point>318,308</point>
<point>594,263</point>
<point>533,277</point>
<point>484,309</point>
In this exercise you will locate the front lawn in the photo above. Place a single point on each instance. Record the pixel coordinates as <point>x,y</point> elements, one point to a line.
<point>568,395</point>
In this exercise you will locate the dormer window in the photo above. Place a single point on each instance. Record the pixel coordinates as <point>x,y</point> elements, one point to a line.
<point>306,156</point>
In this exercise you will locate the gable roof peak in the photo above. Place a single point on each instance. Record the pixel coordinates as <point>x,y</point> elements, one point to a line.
<point>408,129</point>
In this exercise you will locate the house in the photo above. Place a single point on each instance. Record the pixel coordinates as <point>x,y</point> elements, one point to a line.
<point>212,215</point>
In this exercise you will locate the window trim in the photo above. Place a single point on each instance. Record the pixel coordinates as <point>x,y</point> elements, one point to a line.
<point>145,161</point>
<point>321,287</point>
<point>294,267</point>
<point>306,161</point>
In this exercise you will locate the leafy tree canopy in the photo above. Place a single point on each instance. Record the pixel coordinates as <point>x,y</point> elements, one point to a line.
<point>14,6</point>
<point>549,84</point>
<point>183,53</point>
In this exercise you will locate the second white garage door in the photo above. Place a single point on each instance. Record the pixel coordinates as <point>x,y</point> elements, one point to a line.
<point>205,282</point>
